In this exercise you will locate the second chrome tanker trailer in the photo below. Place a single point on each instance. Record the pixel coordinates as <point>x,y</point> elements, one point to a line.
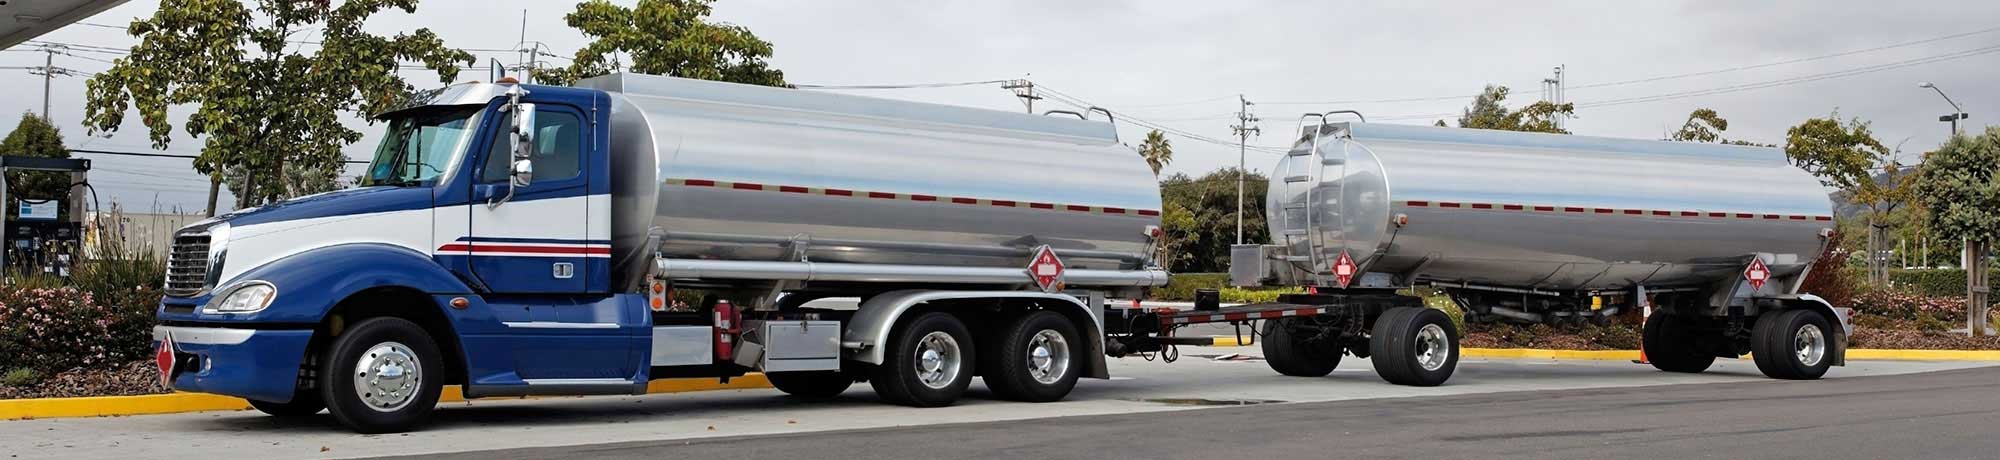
<point>1714,239</point>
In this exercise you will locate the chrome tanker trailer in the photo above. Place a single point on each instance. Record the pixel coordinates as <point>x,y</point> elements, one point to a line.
<point>1716,239</point>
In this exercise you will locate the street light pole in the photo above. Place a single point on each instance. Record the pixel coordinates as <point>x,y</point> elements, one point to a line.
<point>1974,260</point>
<point>1956,112</point>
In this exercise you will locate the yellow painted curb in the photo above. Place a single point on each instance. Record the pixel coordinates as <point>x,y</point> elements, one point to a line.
<point>1925,355</point>
<point>101,406</point>
<point>1532,353</point>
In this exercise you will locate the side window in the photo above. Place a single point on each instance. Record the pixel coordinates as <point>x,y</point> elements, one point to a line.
<point>559,136</point>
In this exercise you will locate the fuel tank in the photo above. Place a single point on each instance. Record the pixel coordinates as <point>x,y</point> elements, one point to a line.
<point>1537,211</point>
<point>740,172</point>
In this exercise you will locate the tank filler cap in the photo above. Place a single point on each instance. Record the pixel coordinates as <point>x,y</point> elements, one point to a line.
<point>1402,220</point>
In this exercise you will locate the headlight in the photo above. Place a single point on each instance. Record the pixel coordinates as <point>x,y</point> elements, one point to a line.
<point>249,297</point>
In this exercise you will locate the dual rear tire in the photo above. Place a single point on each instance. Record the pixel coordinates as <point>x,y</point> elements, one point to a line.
<point>930,361</point>
<point>1793,345</point>
<point>1414,346</point>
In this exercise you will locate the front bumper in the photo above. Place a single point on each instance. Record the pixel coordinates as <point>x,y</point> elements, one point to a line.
<point>260,364</point>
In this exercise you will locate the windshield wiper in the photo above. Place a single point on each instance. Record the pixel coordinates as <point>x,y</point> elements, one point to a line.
<point>395,178</point>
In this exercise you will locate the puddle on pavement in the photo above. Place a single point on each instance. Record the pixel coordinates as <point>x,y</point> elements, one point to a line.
<point>1208,402</point>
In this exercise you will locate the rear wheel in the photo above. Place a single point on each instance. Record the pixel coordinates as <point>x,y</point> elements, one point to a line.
<point>1293,352</point>
<point>1036,359</point>
<point>382,375</point>
<point>1792,345</point>
<point>1414,346</point>
<point>811,384</point>
<point>1669,342</point>
<point>303,403</point>
<point>928,363</point>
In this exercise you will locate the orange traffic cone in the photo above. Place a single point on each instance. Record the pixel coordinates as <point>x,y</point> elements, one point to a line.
<point>1645,313</point>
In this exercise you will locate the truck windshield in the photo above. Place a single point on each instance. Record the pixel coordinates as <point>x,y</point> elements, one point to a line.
<point>422,145</point>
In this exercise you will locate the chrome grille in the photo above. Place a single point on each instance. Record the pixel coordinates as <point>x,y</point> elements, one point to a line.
<point>187,266</point>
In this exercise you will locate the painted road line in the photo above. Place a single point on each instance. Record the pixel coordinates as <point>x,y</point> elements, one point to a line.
<point>102,406</point>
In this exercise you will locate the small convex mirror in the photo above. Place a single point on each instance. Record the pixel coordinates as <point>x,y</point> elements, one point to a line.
<point>521,170</point>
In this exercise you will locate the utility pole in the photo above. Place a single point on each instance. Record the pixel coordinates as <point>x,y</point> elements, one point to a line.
<point>48,76</point>
<point>1243,130</point>
<point>1025,90</point>
<point>1553,92</point>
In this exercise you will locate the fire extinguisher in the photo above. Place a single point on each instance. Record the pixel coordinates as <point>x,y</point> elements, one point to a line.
<point>727,322</point>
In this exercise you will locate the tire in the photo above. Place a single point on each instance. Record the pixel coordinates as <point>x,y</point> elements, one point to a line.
<point>394,349</point>
<point>1669,341</point>
<point>303,403</point>
<point>811,385</point>
<point>1414,346</point>
<point>1291,354</point>
<point>1037,358</point>
<point>1793,345</point>
<point>898,379</point>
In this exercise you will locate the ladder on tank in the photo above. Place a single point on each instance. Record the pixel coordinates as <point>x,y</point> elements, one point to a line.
<point>1301,228</point>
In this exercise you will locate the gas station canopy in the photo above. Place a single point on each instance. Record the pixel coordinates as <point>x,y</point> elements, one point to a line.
<point>23,20</point>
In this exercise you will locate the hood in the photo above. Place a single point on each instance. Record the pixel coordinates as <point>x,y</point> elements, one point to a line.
<point>366,200</point>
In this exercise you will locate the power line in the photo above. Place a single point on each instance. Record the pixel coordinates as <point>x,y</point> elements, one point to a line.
<point>1082,104</point>
<point>905,85</point>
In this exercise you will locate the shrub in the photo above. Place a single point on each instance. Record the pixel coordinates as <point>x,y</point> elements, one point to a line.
<point>1829,280</point>
<point>1899,305</point>
<point>53,330</point>
<point>1942,282</point>
<point>1181,286</point>
<point>20,378</point>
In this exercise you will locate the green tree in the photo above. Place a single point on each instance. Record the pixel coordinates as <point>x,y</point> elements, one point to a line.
<point>266,105</point>
<point>1957,185</point>
<point>35,137</point>
<point>1157,150</point>
<point>1200,241</point>
<point>1703,125</point>
<point>1489,111</point>
<point>1846,156</point>
<point>664,37</point>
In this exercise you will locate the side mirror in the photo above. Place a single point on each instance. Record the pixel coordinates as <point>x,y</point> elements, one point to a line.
<point>522,173</point>
<point>524,131</point>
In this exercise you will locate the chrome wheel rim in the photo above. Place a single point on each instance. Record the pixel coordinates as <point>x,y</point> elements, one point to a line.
<point>937,360</point>
<point>388,377</point>
<point>1809,344</point>
<point>1433,347</point>
<point>1048,356</point>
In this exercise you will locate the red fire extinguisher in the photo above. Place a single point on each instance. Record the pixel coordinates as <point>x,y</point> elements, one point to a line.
<point>727,322</point>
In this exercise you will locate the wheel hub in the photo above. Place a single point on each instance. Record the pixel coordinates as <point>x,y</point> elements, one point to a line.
<point>388,377</point>
<point>1048,356</point>
<point>937,360</point>
<point>1433,347</point>
<point>1809,344</point>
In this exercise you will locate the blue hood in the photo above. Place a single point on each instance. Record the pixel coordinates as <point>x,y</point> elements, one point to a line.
<point>366,200</point>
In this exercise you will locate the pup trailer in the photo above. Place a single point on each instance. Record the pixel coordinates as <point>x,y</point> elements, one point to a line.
<point>517,239</point>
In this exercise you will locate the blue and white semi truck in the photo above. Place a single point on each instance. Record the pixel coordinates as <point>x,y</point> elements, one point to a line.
<point>516,239</point>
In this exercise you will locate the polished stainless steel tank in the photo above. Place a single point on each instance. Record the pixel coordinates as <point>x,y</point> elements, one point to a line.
<point>738,172</point>
<point>1538,211</point>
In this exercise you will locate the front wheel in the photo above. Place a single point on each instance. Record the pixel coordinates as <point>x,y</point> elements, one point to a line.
<point>382,376</point>
<point>1792,345</point>
<point>1414,346</point>
<point>1036,359</point>
<point>928,363</point>
<point>1670,344</point>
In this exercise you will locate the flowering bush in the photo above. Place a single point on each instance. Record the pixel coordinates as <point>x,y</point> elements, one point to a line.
<point>1900,305</point>
<point>54,330</point>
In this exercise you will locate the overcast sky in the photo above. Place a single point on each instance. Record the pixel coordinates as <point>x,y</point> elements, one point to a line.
<point>1182,63</point>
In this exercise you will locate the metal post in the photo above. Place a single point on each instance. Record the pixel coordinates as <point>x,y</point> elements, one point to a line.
<point>1243,131</point>
<point>48,74</point>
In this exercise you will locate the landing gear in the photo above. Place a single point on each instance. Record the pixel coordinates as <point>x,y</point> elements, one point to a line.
<point>928,362</point>
<point>1414,346</point>
<point>1036,360</point>
<point>383,375</point>
<point>1792,345</point>
<point>1292,351</point>
<point>1670,344</point>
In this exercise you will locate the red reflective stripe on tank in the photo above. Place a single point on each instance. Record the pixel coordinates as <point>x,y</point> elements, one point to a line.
<point>964,200</point>
<point>746,186</point>
<point>1417,204</point>
<point>1572,209</point>
<point>1605,210</point>
<point>1077,208</point>
<point>1823,218</point>
<point>1690,214</point>
<point>1797,217</point>
<point>791,189</point>
<point>1447,204</point>
<point>839,192</point>
<point>881,195</point>
<point>1112,210</point>
<point>1545,208</point>
<point>1513,207</point>
<point>922,198</point>
<point>1148,212</point>
<point>1482,206</point>
<point>1041,205</point>
<point>1718,214</point>
<point>1741,215</point>
<point>1634,212</point>
<point>700,183</point>
<point>1772,216</point>
<point>910,197</point>
<point>1004,203</point>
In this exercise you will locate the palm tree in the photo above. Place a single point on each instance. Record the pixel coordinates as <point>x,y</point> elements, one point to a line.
<point>1157,151</point>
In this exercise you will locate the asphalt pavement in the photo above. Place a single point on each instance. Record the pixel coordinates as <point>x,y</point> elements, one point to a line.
<point>1149,409</point>
<point>1949,414</point>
